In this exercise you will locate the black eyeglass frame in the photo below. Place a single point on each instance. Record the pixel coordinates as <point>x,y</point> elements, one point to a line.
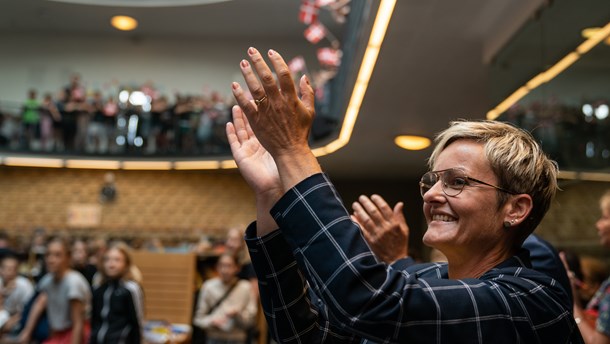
<point>439,177</point>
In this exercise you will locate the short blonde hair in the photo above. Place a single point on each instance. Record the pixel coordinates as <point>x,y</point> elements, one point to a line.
<point>515,158</point>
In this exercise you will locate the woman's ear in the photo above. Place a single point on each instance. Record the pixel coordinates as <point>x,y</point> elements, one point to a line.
<point>517,209</point>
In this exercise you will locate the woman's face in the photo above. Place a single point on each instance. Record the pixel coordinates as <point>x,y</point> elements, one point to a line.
<point>115,264</point>
<point>57,258</point>
<point>469,222</point>
<point>79,253</point>
<point>603,224</point>
<point>227,268</point>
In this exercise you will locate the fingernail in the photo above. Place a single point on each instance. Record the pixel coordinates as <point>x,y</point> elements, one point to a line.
<point>251,51</point>
<point>306,79</point>
<point>244,64</point>
<point>271,52</point>
<point>234,85</point>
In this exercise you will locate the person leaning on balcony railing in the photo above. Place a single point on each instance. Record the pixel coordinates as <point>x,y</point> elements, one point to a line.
<point>489,186</point>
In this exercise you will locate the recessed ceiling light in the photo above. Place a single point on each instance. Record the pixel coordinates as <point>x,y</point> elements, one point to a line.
<point>411,142</point>
<point>124,23</point>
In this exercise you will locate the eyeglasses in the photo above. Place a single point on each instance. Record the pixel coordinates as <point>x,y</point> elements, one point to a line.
<point>453,181</point>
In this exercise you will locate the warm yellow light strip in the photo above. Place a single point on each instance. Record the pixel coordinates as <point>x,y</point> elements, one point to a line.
<point>380,26</point>
<point>93,164</point>
<point>227,164</point>
<point>33,162</point>
<point>197,165</point>
<point>550,73</point>
<point>147,165</point>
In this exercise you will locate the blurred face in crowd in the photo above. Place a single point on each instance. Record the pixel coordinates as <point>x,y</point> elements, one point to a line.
<point>235,241</point>
<point>227,268</point>
<point>471,220</point>
<point>603,224</point>
<point>79,253</point>
<point>115,263</point>
<point>57,258</point>
<point>9,269</point>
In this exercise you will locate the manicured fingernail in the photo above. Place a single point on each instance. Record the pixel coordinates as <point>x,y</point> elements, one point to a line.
<point>244,64</point>
<point>234,85</point>
<point>271,52</point>
<point>306,79</point>
<point>251,51</point>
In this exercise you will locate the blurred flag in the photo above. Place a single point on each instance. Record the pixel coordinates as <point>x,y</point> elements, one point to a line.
<point>329,57</point>
<point>315,32</point>
<point>309,12</point>
<point>296,65</point>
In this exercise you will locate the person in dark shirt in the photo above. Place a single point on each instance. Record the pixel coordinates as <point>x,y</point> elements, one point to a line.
<point>80,261</point>
<point>117,305</point>
<point>488,188</point>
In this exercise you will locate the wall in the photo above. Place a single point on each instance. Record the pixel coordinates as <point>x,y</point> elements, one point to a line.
<point>190,203</point>
<point>168,203</point>
<point>570,222</point>
<point>189,65</point>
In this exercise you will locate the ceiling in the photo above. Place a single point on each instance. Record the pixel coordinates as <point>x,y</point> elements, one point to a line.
<point>431,68</point>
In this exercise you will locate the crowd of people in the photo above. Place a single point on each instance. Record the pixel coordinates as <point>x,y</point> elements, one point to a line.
<point>134,121</point>
<point>57,290</point>
<point>576,136</point>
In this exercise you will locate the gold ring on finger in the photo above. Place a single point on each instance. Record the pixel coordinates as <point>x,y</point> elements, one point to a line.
<point>259,101</point>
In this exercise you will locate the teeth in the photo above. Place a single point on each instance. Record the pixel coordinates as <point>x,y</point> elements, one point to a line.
<point>444,218</point>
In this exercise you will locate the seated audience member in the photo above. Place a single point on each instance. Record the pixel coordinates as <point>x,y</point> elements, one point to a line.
<point>489,187</point>
<point>66,296</point>
<point>5,245</point>
<point>594,320</point>
<point>226,307</point>
<point>16,291</point>
<point>236,246</point>
<point>80,260</point>
<point>593,273</point>
<point>117,307</point>
<point>36,255</point>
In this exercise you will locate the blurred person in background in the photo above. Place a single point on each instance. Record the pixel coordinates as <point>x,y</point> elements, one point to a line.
<point>80,260</point>
<point>97,140</point>
<point>49,116</point>
<point>5,244</point>
<point>66,297</point>
<point>594,320</point>
<point>36,256</point>
<point>226,308</point>
<point>118,303</point>
<point>236,245</point>
<point>593,273</point>
<point>16,291</point>
<point>30,119</point>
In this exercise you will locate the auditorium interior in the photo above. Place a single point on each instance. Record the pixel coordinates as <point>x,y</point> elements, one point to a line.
<point>118,134</point>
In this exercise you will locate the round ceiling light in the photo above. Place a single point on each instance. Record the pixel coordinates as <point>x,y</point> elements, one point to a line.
<point>411,142</point>
<point>124,23</point>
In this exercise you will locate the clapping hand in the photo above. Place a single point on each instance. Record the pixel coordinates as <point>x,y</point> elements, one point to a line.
<point>279,118</point>
<point>385,229</point>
